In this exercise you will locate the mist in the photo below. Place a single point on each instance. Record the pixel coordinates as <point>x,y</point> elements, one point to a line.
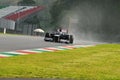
<point>93,20</point>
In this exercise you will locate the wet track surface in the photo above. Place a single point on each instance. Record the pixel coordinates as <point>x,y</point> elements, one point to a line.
<point>15,42</point>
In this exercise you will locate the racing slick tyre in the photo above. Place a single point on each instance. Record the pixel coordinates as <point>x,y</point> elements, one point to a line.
<point>71,39</point>
<point>46,36</point>
<point>56,39</point>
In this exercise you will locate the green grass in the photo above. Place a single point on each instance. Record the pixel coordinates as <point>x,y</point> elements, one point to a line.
<point>101,62</point>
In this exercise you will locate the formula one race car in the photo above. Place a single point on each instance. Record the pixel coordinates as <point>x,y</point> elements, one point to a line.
<point>59,36</point>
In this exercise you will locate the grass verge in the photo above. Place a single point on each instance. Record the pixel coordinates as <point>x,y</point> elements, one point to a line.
<point>101,62</point>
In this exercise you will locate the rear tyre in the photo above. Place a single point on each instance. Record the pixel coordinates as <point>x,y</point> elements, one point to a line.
<point>71,39</point>
<point>56,39</point>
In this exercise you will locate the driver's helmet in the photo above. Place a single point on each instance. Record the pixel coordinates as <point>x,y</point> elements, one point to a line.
<point>59,30</point>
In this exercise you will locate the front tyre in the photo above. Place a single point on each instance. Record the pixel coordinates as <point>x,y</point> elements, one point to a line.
<point>47,36</point>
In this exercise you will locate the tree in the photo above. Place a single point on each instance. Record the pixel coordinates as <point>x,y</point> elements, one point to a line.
<point>99,17</point>
<point>59,6</point>
<point>26,3</point>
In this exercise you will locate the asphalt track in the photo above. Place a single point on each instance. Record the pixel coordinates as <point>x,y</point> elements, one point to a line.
<point>18,42</point>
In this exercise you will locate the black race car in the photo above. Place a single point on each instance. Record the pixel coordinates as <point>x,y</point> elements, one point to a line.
<point>59,37</point>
